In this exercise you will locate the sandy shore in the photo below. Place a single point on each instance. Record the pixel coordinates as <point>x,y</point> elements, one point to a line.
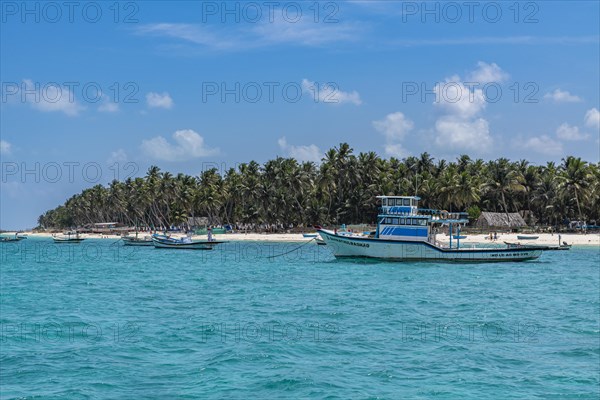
<point>544,238</point>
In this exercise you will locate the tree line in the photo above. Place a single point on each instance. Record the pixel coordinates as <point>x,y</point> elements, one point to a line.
<point>339,190</point>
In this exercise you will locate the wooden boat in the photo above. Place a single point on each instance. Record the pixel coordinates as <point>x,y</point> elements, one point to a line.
<point>137,241</point>
<point>6,239</point>
<point>68,237</point>
<point>186,243</point>
<point>527,237</point>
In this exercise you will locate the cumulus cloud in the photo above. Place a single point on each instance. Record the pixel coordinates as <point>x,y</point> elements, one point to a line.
<point>5,147</point>
<point>117,156</point>
<point>330,93</point>
<point>188,145</point>
<point>562,96</point>
<point>592,118</point>
<point>457,99</point>
<point>50,98</point>
<point>158,100</point>
<point>302,152</point>
<point>544,145</point>
<point>461,127</point>
<point>568,132</point>
<point>459,134</point>
<point>394,127</point>
<point>487,73</point>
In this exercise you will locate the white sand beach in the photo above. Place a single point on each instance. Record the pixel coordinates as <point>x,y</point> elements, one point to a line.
<point>590,239</point>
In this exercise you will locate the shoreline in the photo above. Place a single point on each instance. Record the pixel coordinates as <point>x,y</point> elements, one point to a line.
<point>588,239</point>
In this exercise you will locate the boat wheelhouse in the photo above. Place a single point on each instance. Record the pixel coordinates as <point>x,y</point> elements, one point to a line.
<point>407,233</point>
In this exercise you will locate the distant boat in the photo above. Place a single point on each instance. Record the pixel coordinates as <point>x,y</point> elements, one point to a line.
<point>459,237</point>
<point>527,237</point>
<point>164,242</point>
<point>137,241</point>
<point>68,237</point>
<point>7,239</point>
<point>310,235</point>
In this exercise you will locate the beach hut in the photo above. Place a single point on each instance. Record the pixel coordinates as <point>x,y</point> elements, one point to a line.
<point>493,220</point>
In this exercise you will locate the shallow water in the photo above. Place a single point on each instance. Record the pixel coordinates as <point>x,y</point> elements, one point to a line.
<point>98,320</point>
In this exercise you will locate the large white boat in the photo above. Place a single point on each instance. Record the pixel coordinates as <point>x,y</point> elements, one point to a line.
<point>407,233</point>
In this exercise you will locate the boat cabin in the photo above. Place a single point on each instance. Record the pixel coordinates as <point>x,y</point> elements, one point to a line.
<point>399,219</point>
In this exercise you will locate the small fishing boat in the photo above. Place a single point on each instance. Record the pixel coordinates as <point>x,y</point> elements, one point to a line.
<point>137,241</point>
<point>459,237</point>
<point>68,237</point>
<point>310,235</point>
<point>186,243</point>
<point>527,237</point>
<point>8,239</point>
<point>407,233</point>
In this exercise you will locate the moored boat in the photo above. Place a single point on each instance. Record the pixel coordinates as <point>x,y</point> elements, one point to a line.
<point>68,237</point>
<point>527,237</point>
<point>165,242</point>
<point>407,233</point>
<point>310,235</point>
<point>137,241</point>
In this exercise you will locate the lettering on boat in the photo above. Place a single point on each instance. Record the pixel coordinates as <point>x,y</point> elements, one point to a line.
<point>350,242</point>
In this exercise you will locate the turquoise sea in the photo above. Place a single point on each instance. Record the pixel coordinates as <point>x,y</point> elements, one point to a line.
<point>101,321</point>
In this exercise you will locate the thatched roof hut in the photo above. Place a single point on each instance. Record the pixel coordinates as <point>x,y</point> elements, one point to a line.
<point>500,220</point>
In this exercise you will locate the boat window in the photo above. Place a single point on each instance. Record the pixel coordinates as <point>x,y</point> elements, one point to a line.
<point>384,202</point>
<point>402,221</point>
<point>422,221</point>
<point>388,221</point>
<point>406,202</point>
<point>394,221</point>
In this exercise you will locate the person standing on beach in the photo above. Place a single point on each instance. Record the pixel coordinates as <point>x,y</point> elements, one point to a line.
<point>210,236</point>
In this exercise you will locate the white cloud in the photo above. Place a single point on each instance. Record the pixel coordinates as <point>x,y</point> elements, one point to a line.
<point>108,106</point>
<point>263,33</point>
<point>188,145</point>
<point>459,134</point>
<point>487,73</point>
<point>568,132</point>
<point>5,147</point>
<point>459,100</point>
<point>301,153</point>
<point>562,96</point>
<point>395,150</point>
<point>544,145</point>
<point>592,118</point>
<point>157,100</point>
<point>329,93</point>
<point>50,98</point>
<point>394,127</point>
<point>117,156</point>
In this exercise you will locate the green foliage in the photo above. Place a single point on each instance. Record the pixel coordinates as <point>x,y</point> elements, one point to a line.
<point>474,212</point>
<point>341,189</point>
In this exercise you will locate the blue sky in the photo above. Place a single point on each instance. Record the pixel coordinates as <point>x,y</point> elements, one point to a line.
<point>191,85</point>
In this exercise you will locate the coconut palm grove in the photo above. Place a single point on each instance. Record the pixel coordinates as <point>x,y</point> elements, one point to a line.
<point>341,190</point>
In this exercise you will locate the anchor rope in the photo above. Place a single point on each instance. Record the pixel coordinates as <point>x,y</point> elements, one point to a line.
<point>288,252</point>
